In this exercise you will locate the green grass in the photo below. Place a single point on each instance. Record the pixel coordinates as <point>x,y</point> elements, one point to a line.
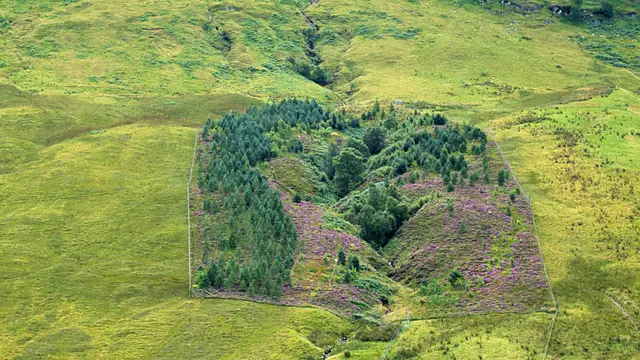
<point>98,104</point>
<point>486,337</point>
<point>459,55</point>
<point>82,233</point>
<point>585,215</point>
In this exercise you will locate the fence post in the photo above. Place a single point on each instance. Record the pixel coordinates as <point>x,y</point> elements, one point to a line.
<point>535,229</point>
<point>193,161</point>
<point>403,326</point>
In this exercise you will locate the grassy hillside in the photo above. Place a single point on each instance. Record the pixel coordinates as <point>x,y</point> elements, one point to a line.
<point>586,206</point>
<point>99,101</point>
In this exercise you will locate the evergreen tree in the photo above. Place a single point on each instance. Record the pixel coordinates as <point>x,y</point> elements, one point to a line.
<point>347,277</point>
<point>202,280</point>
<point>355,262</point>
<point>277,288</point>
<point>332,151</point>
<point>376,108</point>
<point>374,139</point>
<point>213,273</point>
<point>268,286</point>
<point>501,177</point>
<point>450,187</point>
<point>349,167</point>
<point>474,178</point>
<point>341,257</point>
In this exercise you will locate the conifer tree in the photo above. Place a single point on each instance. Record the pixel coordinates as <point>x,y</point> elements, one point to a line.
<point>355,262</point>
<point>341,257</point>
<point>501,177</point>
<point>277,288</point>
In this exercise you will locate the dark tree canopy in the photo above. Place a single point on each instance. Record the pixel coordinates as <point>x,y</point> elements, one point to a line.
<point>349,166</point>
<point>374,139</point>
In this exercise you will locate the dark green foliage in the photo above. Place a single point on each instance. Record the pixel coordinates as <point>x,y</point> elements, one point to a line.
<point>442,151</point>
<point>382,333</point>
<point>251,222</point>
<point>439,120</point>
<point>297,198</point>
<point>390,122</point>
<point>379,212</point>
<point>431,288</point>
<point>375,286</point>
<point>474,178</point>
<point>456,279</point>
<point>354,262</point>
<point>5,25</point>
<point>576,10</point>
<point>347,277</point>
<point>332,151</point>
<point>349,166</point>
<point>376,109</point>
<point>312,72</point>
<point>606,9</point>
<point>342,258</point>
<point>501,177</point>
<point>202,278</point>
<point>360,146</point>
<point>374,139</point>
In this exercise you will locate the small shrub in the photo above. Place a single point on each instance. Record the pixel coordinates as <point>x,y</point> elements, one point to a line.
<point>377,333</point>
<point>342,258</point>
<point>297,198</point>
<point>431,288</point>
<point>454,278</point>
<point>606,9</point>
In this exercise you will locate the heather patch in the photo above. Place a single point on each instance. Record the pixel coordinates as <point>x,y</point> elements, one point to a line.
<point>483,233</point>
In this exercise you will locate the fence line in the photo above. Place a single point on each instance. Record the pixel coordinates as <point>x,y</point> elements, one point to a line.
<point>403,326</point>
<point>193,161</point>
<point>535,229</point>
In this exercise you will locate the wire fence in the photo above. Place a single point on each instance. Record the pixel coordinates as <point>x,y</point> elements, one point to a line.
<point>193,161</point>
<point>535,230</point>
<point>404,326</point>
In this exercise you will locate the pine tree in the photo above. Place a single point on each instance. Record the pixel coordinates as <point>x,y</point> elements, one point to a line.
<point>349,166</point>
<point>341,257</point>
<point>347,277</point>
<point>252,289</point>
<point>376,108</point>
<point>355,262</point>
<point>450,187</point>
<point>268,286</point>
<point>374,139</point>
<point>245,278</point>
<point>474,178</point>
<point>501,177</point>
<point>277,288</point>
<point>213,273</point>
